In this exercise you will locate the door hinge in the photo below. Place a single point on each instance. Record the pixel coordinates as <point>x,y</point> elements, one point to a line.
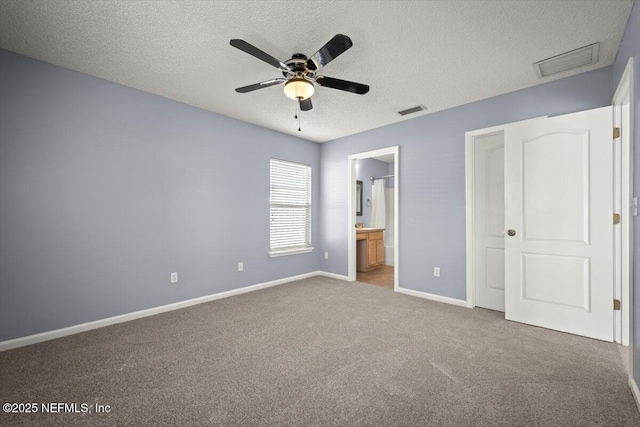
<point>616,218</point>
<point>616,133</point>
<point>616,304</point>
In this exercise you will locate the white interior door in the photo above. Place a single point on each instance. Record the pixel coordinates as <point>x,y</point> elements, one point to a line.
<point>559,202</point>
<point>489,218</point>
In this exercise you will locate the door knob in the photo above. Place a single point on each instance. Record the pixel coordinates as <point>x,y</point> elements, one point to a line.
<point>511,232</point>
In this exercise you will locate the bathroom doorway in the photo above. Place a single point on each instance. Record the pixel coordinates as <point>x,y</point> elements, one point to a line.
<point>373,217</point>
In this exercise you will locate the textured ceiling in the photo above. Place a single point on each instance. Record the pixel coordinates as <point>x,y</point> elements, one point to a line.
<point>437,53</point>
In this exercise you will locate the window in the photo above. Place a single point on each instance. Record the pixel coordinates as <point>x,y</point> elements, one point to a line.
<point>290,208</point>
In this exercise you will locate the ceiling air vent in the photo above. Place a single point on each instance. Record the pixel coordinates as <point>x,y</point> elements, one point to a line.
<point>567,61</point>
<point>412,110</point>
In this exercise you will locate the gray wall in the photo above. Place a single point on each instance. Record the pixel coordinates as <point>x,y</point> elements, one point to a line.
<point>630,47</point>
<point>366,169</point>
<point>432,177</point>
<point>105,190</point>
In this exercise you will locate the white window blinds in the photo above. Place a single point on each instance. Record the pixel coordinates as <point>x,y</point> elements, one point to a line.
<point>290,211</point>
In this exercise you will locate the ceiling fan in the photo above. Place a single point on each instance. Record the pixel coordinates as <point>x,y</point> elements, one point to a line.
<point>300,72</point>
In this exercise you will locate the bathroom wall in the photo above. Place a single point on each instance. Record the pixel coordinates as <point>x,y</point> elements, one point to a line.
<point>390,216</point>
<point>389,231</point>
<point>365,169</point>
<point>391,183</point>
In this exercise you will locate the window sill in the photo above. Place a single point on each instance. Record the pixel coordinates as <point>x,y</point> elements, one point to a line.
<point>293,251</point>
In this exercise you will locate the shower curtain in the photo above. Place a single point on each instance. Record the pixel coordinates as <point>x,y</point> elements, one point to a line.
<point>378,219</point>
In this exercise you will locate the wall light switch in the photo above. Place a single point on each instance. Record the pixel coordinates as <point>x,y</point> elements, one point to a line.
<point>326,255</point>
<point>436,271</point>
<point>240,266</point>
<point>174,277</point>
<point>635,206</point>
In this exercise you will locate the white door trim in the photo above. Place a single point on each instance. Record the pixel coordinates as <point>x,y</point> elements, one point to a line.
<point>470,202</point>
<point>624,193</point>
<point>351,191</point>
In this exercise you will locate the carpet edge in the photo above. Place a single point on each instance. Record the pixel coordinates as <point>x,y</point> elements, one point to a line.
<point>432,297</point>
<point>635,391</point>
<point>101,323</point>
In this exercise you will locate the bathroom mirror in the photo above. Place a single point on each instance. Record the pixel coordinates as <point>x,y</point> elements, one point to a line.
<point>358,198</point>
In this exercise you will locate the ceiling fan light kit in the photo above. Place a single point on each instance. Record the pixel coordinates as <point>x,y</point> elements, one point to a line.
<point>299,89</point>
<point>300,72</point>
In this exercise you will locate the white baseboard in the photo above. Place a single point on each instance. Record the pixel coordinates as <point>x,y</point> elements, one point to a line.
<point>635,391</point>
<point>58,333</point>
<point>333,275</point>
<point>432,297</point>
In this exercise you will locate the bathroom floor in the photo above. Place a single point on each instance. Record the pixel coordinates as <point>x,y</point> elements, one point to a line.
<point>382,277</point>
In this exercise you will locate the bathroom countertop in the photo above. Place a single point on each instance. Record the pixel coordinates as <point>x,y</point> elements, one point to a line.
<point>367,230</point>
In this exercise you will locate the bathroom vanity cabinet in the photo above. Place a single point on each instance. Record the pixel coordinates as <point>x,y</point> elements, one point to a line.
<point>369,248</point>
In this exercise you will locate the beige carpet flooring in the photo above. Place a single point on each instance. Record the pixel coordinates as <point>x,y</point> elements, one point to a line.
<point>322,352</point>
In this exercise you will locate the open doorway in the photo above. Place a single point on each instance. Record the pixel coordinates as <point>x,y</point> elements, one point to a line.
<point>373,209</point>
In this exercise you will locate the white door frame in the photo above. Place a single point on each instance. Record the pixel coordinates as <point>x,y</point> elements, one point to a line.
<point>469,157</point>
<point>623,177</point>
<point>351,191</point>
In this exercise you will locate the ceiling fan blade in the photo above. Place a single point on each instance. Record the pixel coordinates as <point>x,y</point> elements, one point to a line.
<point>254,51</point>
<point>330,51</point>
<point>306,105</point>
<point>358,88</point>
<point>260,85</point>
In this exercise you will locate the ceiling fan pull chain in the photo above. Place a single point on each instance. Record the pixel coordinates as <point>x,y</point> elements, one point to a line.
<point>298,108</point>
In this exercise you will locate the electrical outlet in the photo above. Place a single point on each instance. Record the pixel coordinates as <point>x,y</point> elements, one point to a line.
<point>326,255</point>
<point>436,271</point>
<point>240,266</point>
<point>174,277</point>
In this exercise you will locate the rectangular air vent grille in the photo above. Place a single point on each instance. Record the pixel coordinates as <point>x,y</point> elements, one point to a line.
<point>412,110</point>
<point>586,55</point>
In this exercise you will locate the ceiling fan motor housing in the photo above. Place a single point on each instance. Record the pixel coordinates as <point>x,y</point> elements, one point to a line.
<point>298,67</point>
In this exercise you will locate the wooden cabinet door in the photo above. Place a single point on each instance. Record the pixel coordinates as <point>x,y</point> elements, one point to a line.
<point>372,253</point>
<point>361,255</point>
<point>379,252</point>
